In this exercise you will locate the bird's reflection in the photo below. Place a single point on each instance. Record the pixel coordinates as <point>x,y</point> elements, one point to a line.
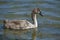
<point>19,34</point>
<point>34,34</point>
<point>13,34</point>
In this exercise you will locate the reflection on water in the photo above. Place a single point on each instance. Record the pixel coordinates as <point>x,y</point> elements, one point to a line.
<point>49,24</point>
<point>34,34</point>
<point>29,34</point>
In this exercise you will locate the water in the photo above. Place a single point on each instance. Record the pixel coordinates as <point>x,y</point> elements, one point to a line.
<point>49,24</point>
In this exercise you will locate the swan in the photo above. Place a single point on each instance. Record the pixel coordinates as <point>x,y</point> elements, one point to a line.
<point>23,24</point>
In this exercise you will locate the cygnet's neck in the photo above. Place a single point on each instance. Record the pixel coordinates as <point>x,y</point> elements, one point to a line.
<point>34,19</point>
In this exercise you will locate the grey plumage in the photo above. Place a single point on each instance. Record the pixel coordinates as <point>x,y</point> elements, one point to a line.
<point>23,24</point>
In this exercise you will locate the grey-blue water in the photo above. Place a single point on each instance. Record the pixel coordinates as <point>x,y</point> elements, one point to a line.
<point>48,25</point>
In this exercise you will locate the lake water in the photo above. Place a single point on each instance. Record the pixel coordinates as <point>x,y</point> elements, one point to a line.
<point>49,24</point>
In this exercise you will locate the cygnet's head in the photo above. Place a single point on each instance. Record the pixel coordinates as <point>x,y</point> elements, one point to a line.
<point>37,11</point>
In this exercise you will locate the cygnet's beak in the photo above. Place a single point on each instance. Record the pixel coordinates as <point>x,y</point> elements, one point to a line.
<point>40,13</point>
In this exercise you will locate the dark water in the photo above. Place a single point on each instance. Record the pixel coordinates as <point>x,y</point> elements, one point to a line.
<point>49,24</point>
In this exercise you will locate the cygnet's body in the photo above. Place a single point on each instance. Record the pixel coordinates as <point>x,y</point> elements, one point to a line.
<point>23,24</point>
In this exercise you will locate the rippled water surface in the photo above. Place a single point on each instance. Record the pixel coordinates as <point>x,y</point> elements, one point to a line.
<point>49,24</point>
